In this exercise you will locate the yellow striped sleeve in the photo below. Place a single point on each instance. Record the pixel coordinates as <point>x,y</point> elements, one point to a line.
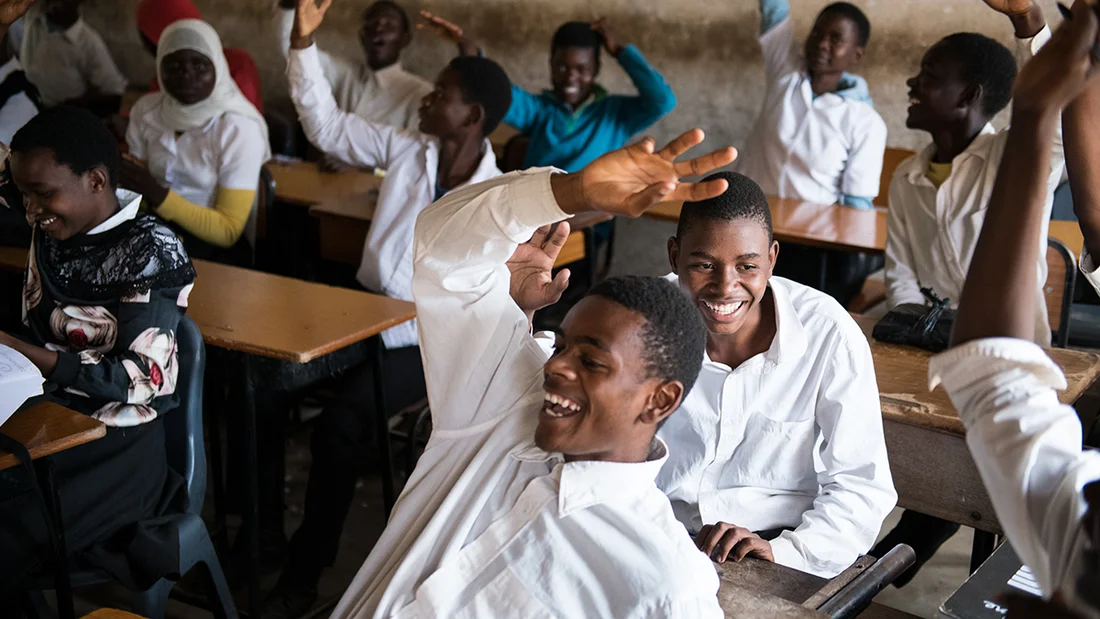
<point>222,225</point>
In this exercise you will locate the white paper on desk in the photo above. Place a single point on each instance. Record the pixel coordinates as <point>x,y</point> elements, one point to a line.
<point>19,380</point>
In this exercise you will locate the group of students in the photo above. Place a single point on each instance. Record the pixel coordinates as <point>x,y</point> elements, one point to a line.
<point>715,413</point>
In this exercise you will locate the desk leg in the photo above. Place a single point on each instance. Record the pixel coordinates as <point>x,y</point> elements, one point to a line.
<point>64,588</point>
<point>252,506</point>
<point>382,425</point>
<point>984,545</point>
<point>590,256</point>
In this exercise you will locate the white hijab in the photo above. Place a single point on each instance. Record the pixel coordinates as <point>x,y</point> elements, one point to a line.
<point>199,36</point>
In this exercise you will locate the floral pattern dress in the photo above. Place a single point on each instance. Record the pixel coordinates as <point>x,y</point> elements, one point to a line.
<point>109,303</point>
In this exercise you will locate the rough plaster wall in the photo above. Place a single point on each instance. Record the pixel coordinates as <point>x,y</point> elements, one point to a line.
<point>706,49</point>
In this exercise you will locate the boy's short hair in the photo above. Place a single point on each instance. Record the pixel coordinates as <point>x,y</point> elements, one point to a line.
<point>396,7</point>
<point>79,140</point>
<point>673,336</point>
<point>852,12</point>
<point>577,34</point>
<point>742,200</point>
<point>484,82</point>
<point>987,63</point>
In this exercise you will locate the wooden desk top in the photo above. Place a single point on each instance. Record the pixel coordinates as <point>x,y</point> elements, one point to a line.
<point>284,318</point>
<point>110,613</point>
<point>304,184</point>
<point>902,373</point>
<point>818,225</point>
<point>47,428</point>
<point>1068,232</point>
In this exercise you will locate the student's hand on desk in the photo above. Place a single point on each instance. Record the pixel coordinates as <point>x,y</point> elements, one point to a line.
<point>610,41</point>
<point>450,31</point>
<point>307,19</point>
<point>133,175</point>
<point>333,165</point>
<point>533,285</point>
<point>723,541</point>
<point>630,180</point>
<point>1060,70</point>
<point>11,10</point>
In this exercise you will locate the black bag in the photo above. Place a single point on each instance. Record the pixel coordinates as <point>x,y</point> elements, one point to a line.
<point>914,324</point>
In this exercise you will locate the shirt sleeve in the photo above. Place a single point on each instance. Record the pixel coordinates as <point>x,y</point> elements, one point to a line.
<point>525,112</point>
<point>333,131</point>
<point>142,365</point>
<point>863,173</point>
<point>900,274</point>
<point>1090,270</point>
<point>134,140</point>
<point>857,489</point>
<point>778,46</point>
<point>99,67</point>
<point>221,225</point>
<point>655,98</point>
<point>773,13</point>
<point>338,71</point>
<point>1026,445</point>
<point>466,316</point>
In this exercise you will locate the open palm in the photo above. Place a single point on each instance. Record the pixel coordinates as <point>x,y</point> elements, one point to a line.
<point>533,285</point>
<point>308,17</point>
<point>1010,7</point>
<point>11,10</point>
<point>630,180</point>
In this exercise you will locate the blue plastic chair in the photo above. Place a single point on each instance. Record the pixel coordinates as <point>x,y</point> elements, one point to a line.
<point>186,454</point>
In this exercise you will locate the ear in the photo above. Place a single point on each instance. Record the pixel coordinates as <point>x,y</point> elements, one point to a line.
<point>859,53</point>
<point>475,116</point>
<point>98,179</point>
<point>674,253</point>
<point>662,402</point>
<point>972,97</point>
<point>773,255</point>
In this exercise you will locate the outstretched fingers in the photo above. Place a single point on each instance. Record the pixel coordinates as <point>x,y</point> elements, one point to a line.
<point>706,163</point>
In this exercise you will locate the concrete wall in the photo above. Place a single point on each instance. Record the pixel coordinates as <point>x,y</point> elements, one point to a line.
<point>706,49</point>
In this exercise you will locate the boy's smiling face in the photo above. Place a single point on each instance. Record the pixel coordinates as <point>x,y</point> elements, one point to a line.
<point>938,94</point>
<point>573,70</point>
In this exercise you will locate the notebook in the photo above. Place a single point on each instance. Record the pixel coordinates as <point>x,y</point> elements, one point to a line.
<point>19,380</point>
<point>1002,571</point>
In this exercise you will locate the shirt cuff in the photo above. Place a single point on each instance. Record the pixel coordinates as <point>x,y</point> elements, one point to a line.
<point>860,202</point>
<point>1088,266</point>
<point>1026,48</point>
<point>68,366</point>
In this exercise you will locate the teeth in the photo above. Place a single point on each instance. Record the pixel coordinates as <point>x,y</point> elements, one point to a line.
<point>725,309</point>
<point>913,101</point>
<point>47,221</point>
<point>562,402</point>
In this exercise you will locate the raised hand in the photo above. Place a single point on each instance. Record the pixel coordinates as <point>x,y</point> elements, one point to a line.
<point>11,10</point>
<point>1010,7</point>
<point>448,30</point>
<point>307,19</point>
<point>610,41</point>
<point>533,285</point>
<point>630,180</point>
<point>1062,68</point>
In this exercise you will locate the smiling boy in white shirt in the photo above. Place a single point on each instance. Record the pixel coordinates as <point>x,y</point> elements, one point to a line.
<point>779,449</point>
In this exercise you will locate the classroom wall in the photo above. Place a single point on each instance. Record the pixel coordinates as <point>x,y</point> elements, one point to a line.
<point>706,49</point>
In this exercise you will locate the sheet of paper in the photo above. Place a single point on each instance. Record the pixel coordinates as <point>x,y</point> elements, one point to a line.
<point>19,380</point>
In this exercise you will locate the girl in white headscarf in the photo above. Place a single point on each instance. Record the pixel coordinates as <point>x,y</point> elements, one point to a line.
<point>197,146</point>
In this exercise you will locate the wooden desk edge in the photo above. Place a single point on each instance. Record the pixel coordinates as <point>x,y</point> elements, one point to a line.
<point>8,460</point>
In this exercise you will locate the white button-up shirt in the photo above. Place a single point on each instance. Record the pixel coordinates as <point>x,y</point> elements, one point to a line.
<point>411,161</point>
<point>225,153</point>
<point>932,233</point>
<point>1027,447</point>
<point>18,109</point>
<point>67,64</point>
<point>488,524</point>
<point>810,148</point>
<point>390,96</point>
<point>790,438</point>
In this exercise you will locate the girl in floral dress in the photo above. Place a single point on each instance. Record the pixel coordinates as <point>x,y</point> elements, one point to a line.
<point>104,292</point>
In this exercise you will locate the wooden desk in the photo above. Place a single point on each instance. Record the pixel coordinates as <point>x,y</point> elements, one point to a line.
<point>827,226</point>
<point>343,224</point>
<point>1068,232</point>
<point>932,468</point>
<point>304,184</point>
<point>284,318</point>
<point>47,428</point>
<point>13,259</point>
<point>500,136</point>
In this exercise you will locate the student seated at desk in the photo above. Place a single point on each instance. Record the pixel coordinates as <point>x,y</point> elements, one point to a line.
<point>535,495</point>
<point>1026,445</point>
<point>67,59</point>
<point>779,450</point>
<point>197,147</point>
<point>818,137</point>
<point>381,90</point>
<point>939,197</point>
<point>450,151</point>
<point>104,292</point>
<point>153,16</point>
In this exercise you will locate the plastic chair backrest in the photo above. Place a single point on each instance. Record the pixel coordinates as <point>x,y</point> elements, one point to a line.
<point>183,434</point>
<point>891,159</point>
<point>1058,289</point>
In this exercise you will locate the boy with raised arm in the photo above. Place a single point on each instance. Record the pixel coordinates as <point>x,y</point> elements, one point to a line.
<point>818,137</point>
<point>535,494</point>
<point>1026,445</point>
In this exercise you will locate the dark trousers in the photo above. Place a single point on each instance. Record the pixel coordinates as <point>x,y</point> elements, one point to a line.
<point>107,487</point>
<point>924,533</point>
<point>343,444</point>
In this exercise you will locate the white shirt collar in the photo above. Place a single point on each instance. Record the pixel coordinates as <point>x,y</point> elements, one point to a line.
<point>131,201</point>
<point>585,483</point>
<point>978,147</point>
